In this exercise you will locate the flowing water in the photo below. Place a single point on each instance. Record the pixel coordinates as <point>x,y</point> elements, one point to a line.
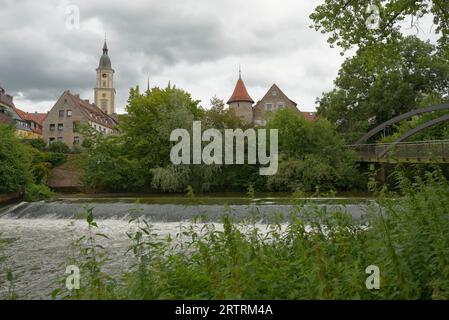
<point>41,232</point>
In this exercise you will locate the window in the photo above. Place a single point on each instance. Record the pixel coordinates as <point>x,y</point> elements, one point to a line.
<point>104,83</point>
<point>269,106</point>
<point>75,126</point>
<point>76,140</point>
<point>50,140</point>
<point>52,127</point>
<point>104,104</point>
<point>60,138</point>
<point>274,93</point>
<point>60,126</point>
<point>281,105</point>
<point>69,113</point>
<point>61,113</point>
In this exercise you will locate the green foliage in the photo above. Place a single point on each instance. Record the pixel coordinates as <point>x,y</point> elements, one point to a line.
<point>316,254</point>
<point>37,192</point>
<point>250,192</point>
<point>108,167</point>
<point>55,158</point>
<point>90,257</point>
<point>38,144</point>
<point>438,132</point>
<point>58,147</point>
<point>345,20</point>
<point>383,81</point>
<point>312,155</point>
<point>151,119</point>
<point>15,171</point>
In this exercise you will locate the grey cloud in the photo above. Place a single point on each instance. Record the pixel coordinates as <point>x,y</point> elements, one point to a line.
<point>167,40</point>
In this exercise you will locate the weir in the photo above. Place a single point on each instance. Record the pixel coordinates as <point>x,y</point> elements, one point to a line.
<point>158,212</point>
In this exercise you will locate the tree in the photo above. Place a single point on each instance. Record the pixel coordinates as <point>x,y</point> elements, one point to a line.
<point>151,119</point>
<point>383,81</point>
<point>312,155</point>
<point>220,118</point>
<point>15,166</point>
<point>350,22</point>
<point>108,167</point>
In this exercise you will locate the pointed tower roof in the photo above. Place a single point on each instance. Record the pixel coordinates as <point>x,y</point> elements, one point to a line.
<point>105,61</point>
<point>240,93</point>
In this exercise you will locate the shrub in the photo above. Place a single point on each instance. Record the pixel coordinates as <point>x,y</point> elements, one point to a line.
<point>38,144</point>
<point>56,159</point>
<point>37,192</point>
<point>58,147</point>
<point>317,254</point>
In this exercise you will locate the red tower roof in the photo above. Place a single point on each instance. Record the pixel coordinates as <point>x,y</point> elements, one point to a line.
<point>240,93</point>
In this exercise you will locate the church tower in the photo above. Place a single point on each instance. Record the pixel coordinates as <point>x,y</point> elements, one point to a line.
<point>241,102</point>
<point>104,90</point>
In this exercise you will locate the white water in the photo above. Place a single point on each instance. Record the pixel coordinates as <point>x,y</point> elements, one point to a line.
<point>43,232</point>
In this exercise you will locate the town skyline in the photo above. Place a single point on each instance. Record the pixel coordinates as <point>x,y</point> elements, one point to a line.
<point>203,57</point>
<point>201,54</point>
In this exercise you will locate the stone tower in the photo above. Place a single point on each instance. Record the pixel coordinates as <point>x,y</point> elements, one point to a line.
<point>241,102</point>
<point>104,90</point>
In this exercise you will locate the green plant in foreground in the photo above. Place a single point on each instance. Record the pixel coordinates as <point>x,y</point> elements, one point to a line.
<point>315,254</point>
<point>90,257</point>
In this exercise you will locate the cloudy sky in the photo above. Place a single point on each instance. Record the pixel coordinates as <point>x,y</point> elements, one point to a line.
<point>196,44</point>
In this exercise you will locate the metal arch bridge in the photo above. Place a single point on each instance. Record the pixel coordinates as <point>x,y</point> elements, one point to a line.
<point>434,151</point>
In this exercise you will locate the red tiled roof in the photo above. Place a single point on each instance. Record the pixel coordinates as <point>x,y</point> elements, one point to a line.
<point>35,117</point>
<point>20,113</point>
<point>309,116</point>
<point>93,113</point>
<point>240,93</point>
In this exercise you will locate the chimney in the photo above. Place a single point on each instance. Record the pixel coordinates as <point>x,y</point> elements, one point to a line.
<point>77,95</point>
<point>87,101</point>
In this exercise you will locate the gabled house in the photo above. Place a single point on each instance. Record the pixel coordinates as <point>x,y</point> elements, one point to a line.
<point>63,120</point>
<point>11,115</point>
<point>34,123</point>
<point>273,100</point>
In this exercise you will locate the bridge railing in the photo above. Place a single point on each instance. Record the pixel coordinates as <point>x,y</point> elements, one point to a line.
<point>421,151</point>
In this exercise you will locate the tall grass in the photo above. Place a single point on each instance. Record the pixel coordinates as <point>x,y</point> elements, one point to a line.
<point>317,254</point>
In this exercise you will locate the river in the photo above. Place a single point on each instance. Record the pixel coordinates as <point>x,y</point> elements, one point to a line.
<point>41,232</point>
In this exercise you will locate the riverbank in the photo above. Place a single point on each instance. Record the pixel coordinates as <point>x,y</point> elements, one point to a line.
<point>7,198</point>
<point>133,251</point>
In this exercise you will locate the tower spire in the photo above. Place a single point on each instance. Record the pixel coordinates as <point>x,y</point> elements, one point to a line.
<point>240,71</point>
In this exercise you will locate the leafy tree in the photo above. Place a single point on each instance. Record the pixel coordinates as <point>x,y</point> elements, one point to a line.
<point>346,20</point>
<point>108,167</point>
<point>15,172</point>
<point>151,119</point>
<point>220,118</point>
<point>312,155</point>
<point>382,81</point>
